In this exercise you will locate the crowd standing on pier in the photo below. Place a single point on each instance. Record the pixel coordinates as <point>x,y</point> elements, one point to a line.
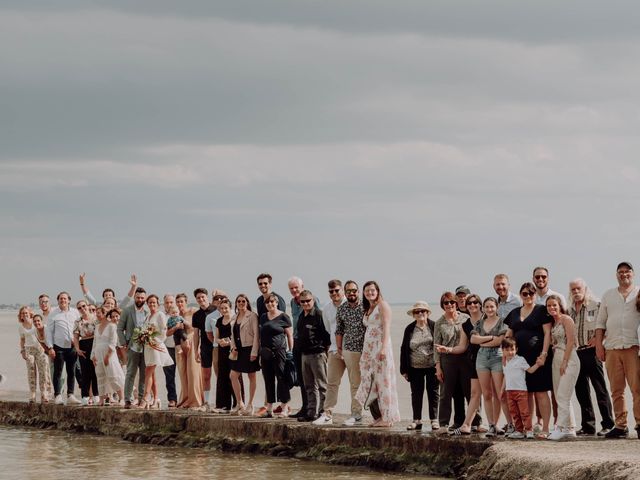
<point>523,355</point>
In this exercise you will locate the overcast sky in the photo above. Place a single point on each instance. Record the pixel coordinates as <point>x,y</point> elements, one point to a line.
<point>421,144</point>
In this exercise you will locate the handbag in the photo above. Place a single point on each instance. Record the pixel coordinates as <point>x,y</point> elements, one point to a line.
<point>290,373</point>
<point>233,355</point>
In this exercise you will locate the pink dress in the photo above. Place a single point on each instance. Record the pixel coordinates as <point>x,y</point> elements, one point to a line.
<point>378,378</point>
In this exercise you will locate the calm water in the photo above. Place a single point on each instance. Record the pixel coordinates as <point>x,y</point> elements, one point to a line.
<point>36,454</point>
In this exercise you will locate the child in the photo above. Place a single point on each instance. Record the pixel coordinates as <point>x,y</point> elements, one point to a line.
<point>173,321</point>
<point>516,387</point>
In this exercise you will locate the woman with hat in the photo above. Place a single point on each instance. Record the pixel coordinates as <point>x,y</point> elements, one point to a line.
<point>417,364</point>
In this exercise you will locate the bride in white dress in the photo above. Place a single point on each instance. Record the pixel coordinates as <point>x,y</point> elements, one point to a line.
<point>155,354</point>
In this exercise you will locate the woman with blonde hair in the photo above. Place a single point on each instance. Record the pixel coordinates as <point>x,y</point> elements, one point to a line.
<point>34,355</point>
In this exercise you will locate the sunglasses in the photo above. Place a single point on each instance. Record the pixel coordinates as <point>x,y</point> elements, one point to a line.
<point>419,312</point>
<point>241,301</point>
<point>351,290</point>
<point>473,302</point>
<point>527,294</point>
<point>449,302</point>
<point>538,277</point>
<point>308,300</point>
<point>334,290</point>
<point>263,283</point>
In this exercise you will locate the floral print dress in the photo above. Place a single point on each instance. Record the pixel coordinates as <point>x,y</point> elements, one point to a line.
<point>378,378</point>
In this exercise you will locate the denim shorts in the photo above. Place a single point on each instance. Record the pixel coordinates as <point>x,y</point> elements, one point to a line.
<point>489,359</point>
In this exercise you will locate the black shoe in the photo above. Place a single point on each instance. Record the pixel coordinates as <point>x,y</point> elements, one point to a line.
<point>127,404</point>
<point>617,432</point>
<point>300,413</point>
<point>585,433</point>
<point>306,418</point>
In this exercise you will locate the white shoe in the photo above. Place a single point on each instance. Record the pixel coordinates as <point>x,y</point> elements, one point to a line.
<point>516,435</point>
<point>530,435</point>
<point>85,401</point>
<point>72,400</point>
<point>557,434</point>
<point>323,419</point>
<point>570,433</point>
<point>352,421</point>
<point>58,400</point>
<point>96,400</point>
<point>435,425</point>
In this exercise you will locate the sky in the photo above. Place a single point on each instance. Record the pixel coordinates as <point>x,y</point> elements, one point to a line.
<point>421,144</point>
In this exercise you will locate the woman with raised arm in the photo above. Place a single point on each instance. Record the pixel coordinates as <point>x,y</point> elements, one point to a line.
<point>377,390</point>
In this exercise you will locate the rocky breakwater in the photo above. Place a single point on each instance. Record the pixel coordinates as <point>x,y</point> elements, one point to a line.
<point>393,450</point>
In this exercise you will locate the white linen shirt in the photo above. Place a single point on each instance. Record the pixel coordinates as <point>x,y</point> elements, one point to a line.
<point>59,329</point>
<point>619,318</point>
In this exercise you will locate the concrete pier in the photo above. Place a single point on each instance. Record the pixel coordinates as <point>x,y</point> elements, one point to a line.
<point>473,458</point>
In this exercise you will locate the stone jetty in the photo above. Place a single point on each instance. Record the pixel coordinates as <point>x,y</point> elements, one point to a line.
<point>472,457</point>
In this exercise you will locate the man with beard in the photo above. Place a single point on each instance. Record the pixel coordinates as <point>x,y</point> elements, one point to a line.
<point>133,317</point>
<point>264,285</point>
<point>507,300</point>
<point>541,281</point>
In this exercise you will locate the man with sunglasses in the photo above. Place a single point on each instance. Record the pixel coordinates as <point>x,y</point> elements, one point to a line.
<point>205,354</point>
<point>314,341</point>
<point>349,343</point>
<point>335,362</point>
<point>296,286</point>
<point>217,296</point>
<point>264,285</point>
<point>541,281</point>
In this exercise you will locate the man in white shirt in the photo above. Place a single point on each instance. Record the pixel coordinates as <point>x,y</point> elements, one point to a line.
<point>541,281</point>
<point>59,336</point>
<point>617,332</point>
<point>335,362</point>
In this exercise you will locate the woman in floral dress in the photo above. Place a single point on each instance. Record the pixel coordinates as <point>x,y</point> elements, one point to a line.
<point>377,389</point>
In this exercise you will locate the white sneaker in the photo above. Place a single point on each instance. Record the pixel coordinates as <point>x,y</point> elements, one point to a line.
<point>352,421</point>
<point>435,425</point>
<point>323,419</point>
<point>72,400</point>
<point>570,433</point>
<point>530,435</point>
<point>58,400</point>
<point>85,401</point>
<point>516,435</point>
<point>96,400</point>
<point>557,434</point>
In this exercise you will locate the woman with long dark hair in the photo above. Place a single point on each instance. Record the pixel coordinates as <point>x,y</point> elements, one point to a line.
<point>245,344</point>
<point>377,389</point>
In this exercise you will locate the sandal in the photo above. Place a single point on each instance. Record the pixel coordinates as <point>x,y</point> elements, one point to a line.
<point>415,426</point>
<point>458,432</point>
<point>542,435</point>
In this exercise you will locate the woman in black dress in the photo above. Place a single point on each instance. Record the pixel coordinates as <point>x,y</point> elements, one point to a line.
<point>245,343</point>
<point>530,327</point>
<point>225,398</point>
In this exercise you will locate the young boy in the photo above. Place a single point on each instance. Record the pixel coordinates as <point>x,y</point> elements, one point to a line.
<point>516,387</point>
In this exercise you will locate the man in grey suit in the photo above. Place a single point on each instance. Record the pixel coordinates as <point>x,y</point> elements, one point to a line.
<point>133,317</point>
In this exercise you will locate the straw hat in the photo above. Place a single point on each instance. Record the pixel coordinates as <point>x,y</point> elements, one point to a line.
<point>419,305</point>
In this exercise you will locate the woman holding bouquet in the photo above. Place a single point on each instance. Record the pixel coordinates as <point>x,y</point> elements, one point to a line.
<point>153,335</point>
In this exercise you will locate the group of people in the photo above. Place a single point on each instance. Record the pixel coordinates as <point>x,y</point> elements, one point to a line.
<point>522,355</point>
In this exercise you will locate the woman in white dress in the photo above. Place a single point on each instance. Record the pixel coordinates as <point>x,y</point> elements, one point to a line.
<point>155,353</point>
<point>103,355</point>
<point>377,389</point>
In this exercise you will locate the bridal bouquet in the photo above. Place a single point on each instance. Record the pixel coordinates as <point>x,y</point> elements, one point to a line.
<point>145,335</point>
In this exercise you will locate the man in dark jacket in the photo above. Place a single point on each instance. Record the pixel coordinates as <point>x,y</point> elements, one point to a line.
<point>313,340</point>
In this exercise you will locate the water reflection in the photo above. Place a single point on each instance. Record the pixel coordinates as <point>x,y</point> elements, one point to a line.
<point>30,453</point>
